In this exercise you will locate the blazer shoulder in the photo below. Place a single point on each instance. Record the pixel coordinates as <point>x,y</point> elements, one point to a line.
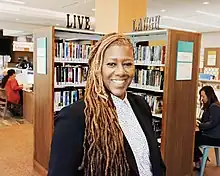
<point>139,102</point>
<point>133,96</point>
<point>72,113</point>
<point>137,98</point>
<point>67,143</point>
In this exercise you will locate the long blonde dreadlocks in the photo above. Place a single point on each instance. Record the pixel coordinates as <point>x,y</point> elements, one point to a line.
<point>103,141</point>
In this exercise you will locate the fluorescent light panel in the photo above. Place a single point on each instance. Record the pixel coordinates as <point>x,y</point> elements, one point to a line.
<point>190,21</point>
<point>14,1</point>
<point>208,14</point>
<point>177,28</point>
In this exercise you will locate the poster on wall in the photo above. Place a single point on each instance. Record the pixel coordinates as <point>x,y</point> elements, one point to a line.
<point>184,60</point>
<point>211,58</point>
<point>42,55</point>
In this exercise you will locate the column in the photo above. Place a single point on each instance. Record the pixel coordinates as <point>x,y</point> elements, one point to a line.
<point>117,15</point>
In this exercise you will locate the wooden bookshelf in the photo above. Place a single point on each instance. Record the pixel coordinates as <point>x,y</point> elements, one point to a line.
<point>178,96</point>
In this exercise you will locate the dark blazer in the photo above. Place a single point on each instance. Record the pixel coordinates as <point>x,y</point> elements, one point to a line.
<point>67,143</point>
<point>210,122</point>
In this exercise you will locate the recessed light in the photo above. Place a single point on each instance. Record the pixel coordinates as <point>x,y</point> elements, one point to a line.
<point>163,10</point>
<point>14,1</point>
<point>17,19</point>
<point>93,9</point>
<point>206,3</point>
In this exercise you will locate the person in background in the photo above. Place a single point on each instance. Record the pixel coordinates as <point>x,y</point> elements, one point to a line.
<point>4,79</point>
<point>13,90</point>
<point>209,125</point>
<point>110,131</point>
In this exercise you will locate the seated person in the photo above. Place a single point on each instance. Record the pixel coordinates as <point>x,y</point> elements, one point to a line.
<point>13,90</point>
<point>209,125</point>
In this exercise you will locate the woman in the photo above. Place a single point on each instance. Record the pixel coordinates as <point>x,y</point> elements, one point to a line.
<point>108,133</point>
<point>209,125</point>
<point>12,88</point>
<point>14,92</point>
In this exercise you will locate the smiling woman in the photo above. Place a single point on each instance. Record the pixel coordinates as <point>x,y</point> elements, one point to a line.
<point>110,131</point>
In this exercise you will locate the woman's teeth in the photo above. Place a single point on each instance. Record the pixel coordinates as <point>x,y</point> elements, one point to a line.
<point>118,81</point>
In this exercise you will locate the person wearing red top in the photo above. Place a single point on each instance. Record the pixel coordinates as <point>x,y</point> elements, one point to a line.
<point>14,93</point>
<point>12,88</point>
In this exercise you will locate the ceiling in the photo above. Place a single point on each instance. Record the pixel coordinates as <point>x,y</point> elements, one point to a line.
<point>21,17</point>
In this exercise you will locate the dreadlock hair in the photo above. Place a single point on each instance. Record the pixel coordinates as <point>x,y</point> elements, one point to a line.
<point>104,152</point>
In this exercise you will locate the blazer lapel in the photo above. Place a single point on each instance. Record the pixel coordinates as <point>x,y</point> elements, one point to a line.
<point>131,159</point>
<point>143,118</point>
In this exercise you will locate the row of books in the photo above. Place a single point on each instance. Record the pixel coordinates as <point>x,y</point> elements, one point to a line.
<point>65,75</point>
<point>155,102</point>
<point>68,50</point>
<point>149,77</point>
<point>66,97</point>
<point>150,54</point>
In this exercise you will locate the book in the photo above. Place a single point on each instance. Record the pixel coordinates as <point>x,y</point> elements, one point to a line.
<point>64,98</point>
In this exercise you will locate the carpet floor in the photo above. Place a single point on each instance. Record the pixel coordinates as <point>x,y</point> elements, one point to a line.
<point>16,149</point>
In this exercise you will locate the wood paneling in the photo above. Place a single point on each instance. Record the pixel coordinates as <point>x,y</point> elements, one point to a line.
<point>28,106</point>
<point>43,91</point>
<point>179,108</point>
<point>39,169</point>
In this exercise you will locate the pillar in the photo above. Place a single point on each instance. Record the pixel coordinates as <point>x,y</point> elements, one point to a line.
<point>117,15</point>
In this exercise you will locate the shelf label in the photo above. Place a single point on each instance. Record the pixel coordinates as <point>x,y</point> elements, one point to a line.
<point>184,60</point>
<point>42,55</point>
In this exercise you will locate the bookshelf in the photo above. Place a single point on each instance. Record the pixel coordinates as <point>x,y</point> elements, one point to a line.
<point>171,101</point>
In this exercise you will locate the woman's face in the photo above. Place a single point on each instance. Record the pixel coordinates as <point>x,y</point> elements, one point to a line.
<point>204,97</point>
<point>118,69</point>
<point>13,76</point>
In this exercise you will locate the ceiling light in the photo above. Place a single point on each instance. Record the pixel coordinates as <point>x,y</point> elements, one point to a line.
<point>93,9</point>
<point>208,14</point>
<point>190,21</point>
<point>182,29</point>
<point>206,3</point>
<point>163,10</point>
<point>14,1</point>
<point>57,24</point>
<point>16,19</point>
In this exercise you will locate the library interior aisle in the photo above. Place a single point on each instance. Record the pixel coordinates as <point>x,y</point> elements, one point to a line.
<point>57,45</point>
<point>16,157</point>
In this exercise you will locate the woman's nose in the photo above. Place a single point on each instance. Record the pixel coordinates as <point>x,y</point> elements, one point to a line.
<point>119,70</point>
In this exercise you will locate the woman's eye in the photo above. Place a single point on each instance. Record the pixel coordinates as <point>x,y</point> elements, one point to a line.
<point>128,64</point>
<point>111,64</point>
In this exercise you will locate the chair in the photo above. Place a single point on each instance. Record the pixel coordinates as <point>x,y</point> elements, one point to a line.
<point>3,101</point>
<point>205,156</point>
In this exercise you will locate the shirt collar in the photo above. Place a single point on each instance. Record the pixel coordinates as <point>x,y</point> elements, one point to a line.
<point>116,99</point>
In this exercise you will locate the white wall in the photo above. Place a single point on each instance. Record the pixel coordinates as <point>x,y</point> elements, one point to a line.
<point>209,40</point>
